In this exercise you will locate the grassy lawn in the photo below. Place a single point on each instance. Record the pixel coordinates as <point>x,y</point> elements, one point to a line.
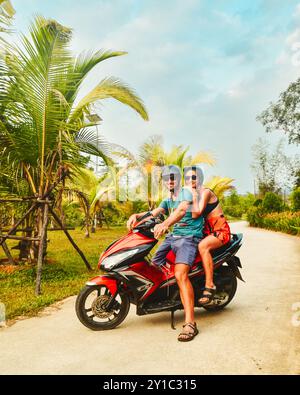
<point>64,274</point>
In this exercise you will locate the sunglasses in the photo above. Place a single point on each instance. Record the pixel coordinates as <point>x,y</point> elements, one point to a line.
<point>168,177</point>
<point>188,178</point>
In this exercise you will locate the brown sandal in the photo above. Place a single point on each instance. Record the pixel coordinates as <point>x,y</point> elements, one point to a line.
<point>209,295</point>
<point>187,336</point>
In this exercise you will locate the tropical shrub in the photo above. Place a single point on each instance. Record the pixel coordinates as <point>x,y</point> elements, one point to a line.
<point>74,217</point>
<point>287,221</point>
<point>272,203</point>
<point>295,199</point>
<point>255,216</point>
<point>235,205</point>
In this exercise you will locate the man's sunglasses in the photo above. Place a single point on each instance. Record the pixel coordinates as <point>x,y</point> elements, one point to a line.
<point>168,177</point>
<point>188,178</point>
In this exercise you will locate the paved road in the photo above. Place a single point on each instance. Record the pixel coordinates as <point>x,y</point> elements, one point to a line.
<point>253,335</point>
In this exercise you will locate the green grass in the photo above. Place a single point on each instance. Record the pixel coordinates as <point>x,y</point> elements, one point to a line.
<point>63,275</point>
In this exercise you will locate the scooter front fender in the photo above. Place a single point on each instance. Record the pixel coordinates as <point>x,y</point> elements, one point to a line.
<point>110,283</point>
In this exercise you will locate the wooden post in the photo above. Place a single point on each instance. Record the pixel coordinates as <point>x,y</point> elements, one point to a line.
<point>3,238</point>
<point>57,219</point>
<point>43,233</point>
<point>7,252</point>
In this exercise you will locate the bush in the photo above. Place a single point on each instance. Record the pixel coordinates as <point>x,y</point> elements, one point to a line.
<point>255,216</point>
<point>235,205</point>
<point>287,222</point>
<point>233,211</point>
<point>272,203</point>
<point>295,199</point>
<point>257,202</point>
<point>73,214</point>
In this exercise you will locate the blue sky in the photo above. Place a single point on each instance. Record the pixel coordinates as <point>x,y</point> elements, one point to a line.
<point>205,69</point>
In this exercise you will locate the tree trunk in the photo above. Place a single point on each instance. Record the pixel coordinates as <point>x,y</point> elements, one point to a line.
<point>94,224</point>
<point>41,251</point>
<point>87,224</point>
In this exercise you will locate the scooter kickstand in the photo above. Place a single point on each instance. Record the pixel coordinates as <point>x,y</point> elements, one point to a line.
<point>172,319</point>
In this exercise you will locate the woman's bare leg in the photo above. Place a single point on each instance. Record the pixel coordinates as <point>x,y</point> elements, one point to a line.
<point>206,245</point>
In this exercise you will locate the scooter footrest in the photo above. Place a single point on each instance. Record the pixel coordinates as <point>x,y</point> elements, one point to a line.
<point>165,305</point>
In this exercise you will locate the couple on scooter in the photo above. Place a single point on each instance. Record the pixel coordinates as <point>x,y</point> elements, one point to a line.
<point>199,224</point>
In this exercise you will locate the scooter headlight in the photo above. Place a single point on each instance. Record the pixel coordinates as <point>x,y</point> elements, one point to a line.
<point>112,260</point>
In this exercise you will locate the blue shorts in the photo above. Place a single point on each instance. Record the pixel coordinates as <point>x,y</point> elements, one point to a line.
<point>184,247</point>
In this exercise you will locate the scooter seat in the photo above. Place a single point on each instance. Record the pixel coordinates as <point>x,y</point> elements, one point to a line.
<point>235,239</point>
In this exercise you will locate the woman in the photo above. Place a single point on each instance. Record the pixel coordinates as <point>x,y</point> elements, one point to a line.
<point>216,230</point>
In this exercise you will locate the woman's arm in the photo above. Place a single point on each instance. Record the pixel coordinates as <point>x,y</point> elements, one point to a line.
<point>200,207</point>
<point>195,204</point>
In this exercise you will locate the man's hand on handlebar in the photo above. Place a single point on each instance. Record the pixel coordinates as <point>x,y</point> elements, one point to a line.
<point>131,221</point>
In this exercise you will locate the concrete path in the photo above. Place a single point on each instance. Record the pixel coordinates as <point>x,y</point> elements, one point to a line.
<point>258,333</point>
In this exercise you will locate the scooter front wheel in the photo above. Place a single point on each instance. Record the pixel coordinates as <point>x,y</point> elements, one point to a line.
<point>92,311</point>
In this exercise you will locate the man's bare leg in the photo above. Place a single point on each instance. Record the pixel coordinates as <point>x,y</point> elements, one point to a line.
<point>186,290</point>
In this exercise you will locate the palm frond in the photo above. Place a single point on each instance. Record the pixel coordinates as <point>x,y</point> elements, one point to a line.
<point>110,88</point>
<point>220,185</point>
<point>83,64</point>
<point>202,157</point>
<point>6,14</point>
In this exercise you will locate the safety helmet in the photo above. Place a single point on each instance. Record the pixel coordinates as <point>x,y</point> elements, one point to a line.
<point>198,170</point>
<point>170,170</point>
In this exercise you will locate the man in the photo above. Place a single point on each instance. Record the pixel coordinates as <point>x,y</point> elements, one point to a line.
<point>171,176</point>
<point>184,240</point>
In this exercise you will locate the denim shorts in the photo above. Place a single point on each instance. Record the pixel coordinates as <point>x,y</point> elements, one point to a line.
<point>184,247</point>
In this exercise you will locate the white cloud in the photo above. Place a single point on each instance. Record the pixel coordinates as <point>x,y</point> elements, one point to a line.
<point>233,21</point>
<point>202,83</point>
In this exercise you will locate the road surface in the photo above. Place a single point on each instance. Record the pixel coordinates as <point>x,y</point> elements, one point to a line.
<point>258,333</point>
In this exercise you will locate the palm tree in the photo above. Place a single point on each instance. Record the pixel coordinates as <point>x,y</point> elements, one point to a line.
<point>220,185</point>
<point>6,14</point>
<point>88,190</point>
<point>44,127</point>
<point>152,153</point>
<point>43,124</point>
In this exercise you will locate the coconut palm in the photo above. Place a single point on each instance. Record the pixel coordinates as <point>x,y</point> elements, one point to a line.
<point>6,14</point>
<point>92,192</point>
<point>87,190</point>
<point>220,185</point>
<point>152,154</point>
<point>43,124</point>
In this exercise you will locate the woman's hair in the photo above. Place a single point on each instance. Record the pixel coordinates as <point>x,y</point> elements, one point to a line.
<point>198,170</point>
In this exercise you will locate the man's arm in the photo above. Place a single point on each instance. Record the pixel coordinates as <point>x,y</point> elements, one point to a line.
<point>176,216</point>
<point>135,217</point>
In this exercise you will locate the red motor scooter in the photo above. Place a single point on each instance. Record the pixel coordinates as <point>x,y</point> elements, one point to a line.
<point>130,278</point>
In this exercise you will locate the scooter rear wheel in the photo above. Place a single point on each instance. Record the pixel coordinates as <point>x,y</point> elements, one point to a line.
<point>92,312</point>
<point>226,290</point>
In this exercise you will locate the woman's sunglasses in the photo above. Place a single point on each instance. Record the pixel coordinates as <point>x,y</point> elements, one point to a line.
<point>188,178</point>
